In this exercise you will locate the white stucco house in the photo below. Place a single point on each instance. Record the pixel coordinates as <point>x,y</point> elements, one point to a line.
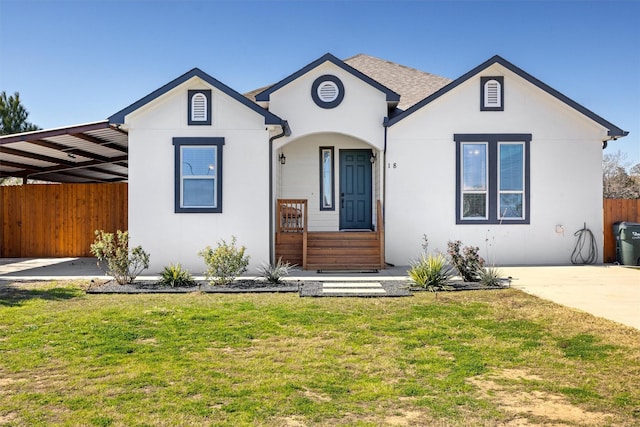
<point>347,164</point>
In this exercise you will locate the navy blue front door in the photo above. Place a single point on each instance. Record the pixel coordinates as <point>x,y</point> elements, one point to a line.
<point>355,189</point>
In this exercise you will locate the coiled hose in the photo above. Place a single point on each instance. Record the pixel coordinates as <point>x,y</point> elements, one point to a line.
<point>585,241</point>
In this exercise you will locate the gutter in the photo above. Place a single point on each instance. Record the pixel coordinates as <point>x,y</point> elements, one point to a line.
<point>614,137</point>
<point>286,131</point>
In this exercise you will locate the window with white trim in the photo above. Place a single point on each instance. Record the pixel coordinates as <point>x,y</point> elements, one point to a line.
<point>511,180</point>
<point>492,178</point>
<point>199,108</point>
<point>198,174</point>
<point>474,181</point>
<point>492,93</point>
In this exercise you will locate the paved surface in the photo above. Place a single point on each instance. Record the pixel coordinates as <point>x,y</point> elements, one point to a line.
<point>608,291</point>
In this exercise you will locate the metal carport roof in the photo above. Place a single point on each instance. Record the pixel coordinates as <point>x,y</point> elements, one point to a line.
<point>91,152</point>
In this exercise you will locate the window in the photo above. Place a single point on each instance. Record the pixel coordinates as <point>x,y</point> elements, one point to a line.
<point>327,198</point>
<point>474,181</point>
<point>492,93</point>
<point>198,174</point>
<point>199,108</point>
<point>492,178</point>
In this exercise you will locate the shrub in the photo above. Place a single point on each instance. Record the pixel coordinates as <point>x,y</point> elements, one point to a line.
<point>430,272</point>
<point>274,272</point>
<point>175,276</point>
<point>225,263</point>
<point>490,276</point>
<point>114,257</point>
<point>469,263</point>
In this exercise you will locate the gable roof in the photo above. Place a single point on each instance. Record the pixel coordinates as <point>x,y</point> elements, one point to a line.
<point>613,130</point>
<point>269,118</point>
<point>413,85</point>
<point>391,96</point>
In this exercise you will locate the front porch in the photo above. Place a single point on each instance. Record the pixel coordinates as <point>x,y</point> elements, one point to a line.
<point>326,250</point>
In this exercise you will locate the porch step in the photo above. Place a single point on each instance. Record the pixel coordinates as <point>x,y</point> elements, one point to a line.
<point>343,251</point>
<point>331,250</point>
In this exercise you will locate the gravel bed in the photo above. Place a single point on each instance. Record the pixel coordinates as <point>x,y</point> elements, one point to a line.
<point>238,286</point>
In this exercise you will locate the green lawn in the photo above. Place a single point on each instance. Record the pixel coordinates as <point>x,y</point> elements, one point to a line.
<point>465,358</point>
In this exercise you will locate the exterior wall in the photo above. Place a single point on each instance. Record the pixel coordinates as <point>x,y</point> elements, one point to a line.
<point>360,114</point>
<point>177,237</point>
<point>299,178</point>
<point>566,188</point>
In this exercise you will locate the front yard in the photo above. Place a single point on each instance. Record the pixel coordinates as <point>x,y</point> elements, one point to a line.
<point>465,358</point>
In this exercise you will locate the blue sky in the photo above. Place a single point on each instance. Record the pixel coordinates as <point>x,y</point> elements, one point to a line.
<point>81,61</point>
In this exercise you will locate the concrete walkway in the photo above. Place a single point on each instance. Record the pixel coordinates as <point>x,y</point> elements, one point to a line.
<point>608,291</point>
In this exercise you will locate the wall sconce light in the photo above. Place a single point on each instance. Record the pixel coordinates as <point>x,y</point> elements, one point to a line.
<point>373,158</point>
<point>283,159</point>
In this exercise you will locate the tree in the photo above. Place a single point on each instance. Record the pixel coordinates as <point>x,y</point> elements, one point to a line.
<point>13,115</point>
<point>620,181</point>
<point>13,119</point>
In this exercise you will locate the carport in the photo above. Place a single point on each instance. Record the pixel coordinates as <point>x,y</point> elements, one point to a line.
<point>85,168</point>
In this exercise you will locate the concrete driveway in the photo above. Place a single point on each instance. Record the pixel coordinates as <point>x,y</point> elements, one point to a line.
<point>608,291</point>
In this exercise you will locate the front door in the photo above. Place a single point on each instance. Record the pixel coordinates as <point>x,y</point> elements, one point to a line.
<point>355,189</point>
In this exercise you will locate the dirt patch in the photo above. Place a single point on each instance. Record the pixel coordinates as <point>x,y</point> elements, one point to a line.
<point>545,408</point>
<point>405,418</point>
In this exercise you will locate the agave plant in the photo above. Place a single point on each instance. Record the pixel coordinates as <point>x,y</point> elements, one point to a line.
<point>174,275</point>
<point>273,273</point>
<point>490,276</point>
<point>431,272</point>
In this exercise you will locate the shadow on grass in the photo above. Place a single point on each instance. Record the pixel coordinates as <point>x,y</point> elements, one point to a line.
<point>12,294</point>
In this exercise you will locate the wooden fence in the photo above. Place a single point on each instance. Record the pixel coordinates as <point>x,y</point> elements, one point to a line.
<point>617,210</point>
<point>58,220</point>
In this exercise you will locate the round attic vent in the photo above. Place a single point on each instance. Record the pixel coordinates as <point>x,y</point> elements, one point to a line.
<point>327,91</point>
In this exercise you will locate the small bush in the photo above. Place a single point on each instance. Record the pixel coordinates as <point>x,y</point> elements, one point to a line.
<point>490,276</point>
<point>114,257</point>
<point>225,263</point>
<point>430,272</point>
<point>469,263</point>
<point>274,272</point>
<point>175,276</point>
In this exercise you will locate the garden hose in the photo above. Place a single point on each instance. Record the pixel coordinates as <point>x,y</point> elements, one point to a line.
<point>585,241</point>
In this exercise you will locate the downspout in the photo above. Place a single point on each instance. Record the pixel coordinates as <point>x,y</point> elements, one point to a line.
<point>385,124</point>
<point>285,132</point>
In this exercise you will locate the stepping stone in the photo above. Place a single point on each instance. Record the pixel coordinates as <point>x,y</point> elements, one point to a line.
<point>358,288</point>
<point>352,289</point>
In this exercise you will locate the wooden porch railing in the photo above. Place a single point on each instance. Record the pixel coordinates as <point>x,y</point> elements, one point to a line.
<point>292,215</point>
<point>326,250</point>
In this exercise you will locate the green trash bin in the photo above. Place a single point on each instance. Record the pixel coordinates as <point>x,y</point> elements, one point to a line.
<point>628,243</point>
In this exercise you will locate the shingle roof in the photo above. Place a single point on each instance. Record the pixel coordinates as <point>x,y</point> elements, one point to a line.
<point>412,85</point>
<point>390,95</point>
